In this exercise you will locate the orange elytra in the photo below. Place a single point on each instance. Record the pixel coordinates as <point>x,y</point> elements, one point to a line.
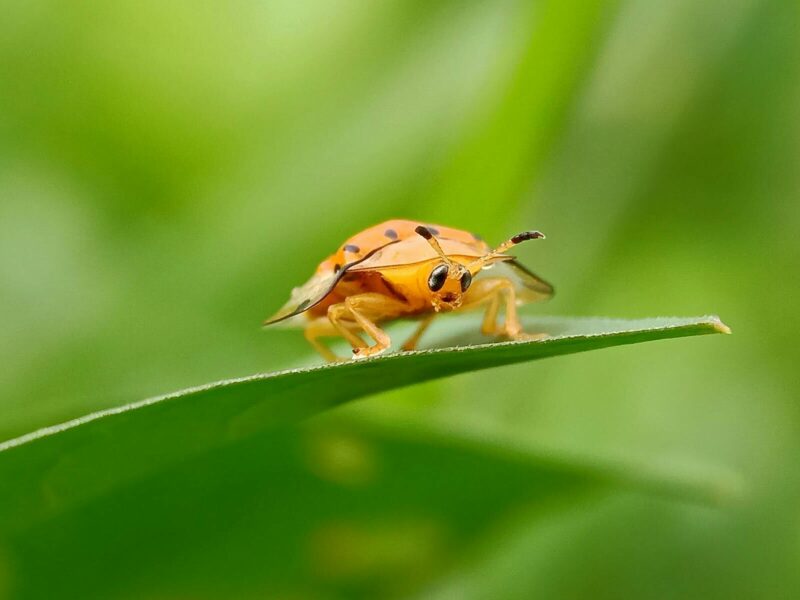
<point>406,269</point>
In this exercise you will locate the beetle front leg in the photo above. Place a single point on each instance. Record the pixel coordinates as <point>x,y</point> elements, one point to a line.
<point>364,309</point>
<point>412,341</point>
<point>322,327</point>
<point>493,291</point>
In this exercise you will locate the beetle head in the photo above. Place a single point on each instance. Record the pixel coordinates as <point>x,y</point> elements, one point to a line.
<point>447,283</point>
<point>448,280</point>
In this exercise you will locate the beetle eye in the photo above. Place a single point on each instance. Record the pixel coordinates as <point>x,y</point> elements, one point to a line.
<point>437,278</point>
<point>466,281</point>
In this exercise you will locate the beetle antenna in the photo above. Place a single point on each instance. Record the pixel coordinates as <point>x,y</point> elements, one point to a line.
<point>504,247</point>
<point>428,235</point>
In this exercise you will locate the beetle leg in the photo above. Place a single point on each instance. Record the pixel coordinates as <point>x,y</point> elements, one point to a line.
<point>489,325</point>
<point>322,327</point>
<point>364,309</point>
<point>491,291</point>
<point>362,305</point>
<point>344,324</point>
<point>412,342</point>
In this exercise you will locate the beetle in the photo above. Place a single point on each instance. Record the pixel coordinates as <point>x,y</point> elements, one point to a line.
<point>407,269</point>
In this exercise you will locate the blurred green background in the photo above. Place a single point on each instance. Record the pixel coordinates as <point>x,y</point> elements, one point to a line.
<point>168,171</point>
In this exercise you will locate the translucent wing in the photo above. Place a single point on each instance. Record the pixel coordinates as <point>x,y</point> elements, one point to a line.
<point>305,296</point>
<point>529,286</point>
<point>316,289</point>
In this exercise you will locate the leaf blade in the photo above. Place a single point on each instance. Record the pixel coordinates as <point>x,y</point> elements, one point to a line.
<point>88,456</point>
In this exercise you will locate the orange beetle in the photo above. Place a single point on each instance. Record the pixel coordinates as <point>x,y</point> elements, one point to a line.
<point>402,269</point>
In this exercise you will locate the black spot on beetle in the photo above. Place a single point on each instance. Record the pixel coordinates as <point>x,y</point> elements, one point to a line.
<point>352,248</point>
<point>337,267</point>
<point>391,234</point>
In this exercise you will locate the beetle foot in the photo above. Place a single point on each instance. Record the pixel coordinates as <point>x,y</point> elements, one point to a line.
<point>362,353</point>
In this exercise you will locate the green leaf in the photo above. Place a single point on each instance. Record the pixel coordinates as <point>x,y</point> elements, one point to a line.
<point>337,508</point>
<point>91,499</point>
<point>322,511</point>
<point>57,467</point>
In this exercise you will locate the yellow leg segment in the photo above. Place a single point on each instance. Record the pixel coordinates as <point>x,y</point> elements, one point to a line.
<point>338,318</point>
<point>364,308</point>
<point>412,342</point>
<point>322,327</point>
<point>356,314</point>
<point>493,291</point>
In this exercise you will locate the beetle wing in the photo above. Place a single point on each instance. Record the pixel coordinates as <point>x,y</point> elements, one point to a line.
<point>411,251</point>
<point>305,296</point>
<point>529,286</point>
<point>316,289</point>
